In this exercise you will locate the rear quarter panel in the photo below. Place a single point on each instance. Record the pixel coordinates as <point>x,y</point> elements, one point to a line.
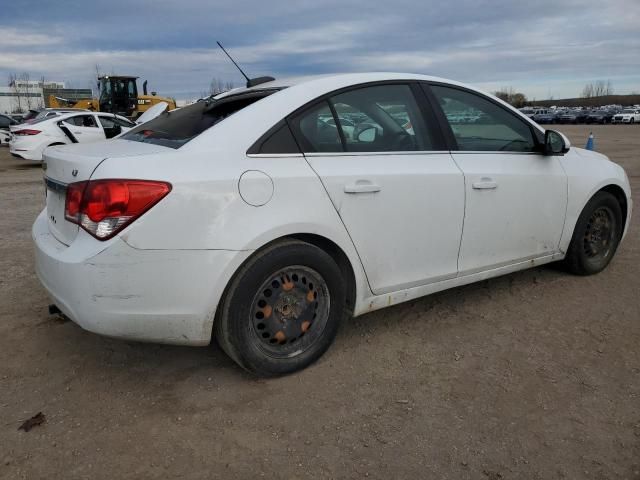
<point>205,210</point>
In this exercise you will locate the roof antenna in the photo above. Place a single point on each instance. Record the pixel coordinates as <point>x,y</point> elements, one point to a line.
<point>234,62</point>
<point>251,82</point>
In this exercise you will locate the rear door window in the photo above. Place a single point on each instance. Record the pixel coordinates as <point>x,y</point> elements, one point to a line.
<point>383,118</point>
<point>378,118</point>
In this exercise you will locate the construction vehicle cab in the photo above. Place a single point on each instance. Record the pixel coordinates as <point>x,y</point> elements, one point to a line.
<point>118,94</point>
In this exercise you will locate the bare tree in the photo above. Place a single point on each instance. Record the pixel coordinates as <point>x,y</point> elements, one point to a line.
<point>599,88</point>
<point>95,92</point>
<point>509,95</point>
<point>13,83</point>
<point>218,86</point>
<point>27,89</point>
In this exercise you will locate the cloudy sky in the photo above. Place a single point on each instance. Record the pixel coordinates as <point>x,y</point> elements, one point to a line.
<point>543,48</point>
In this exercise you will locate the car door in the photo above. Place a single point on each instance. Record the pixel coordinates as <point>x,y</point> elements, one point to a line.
<point>516,197</point>
<point>397,190</point>
<point>84,128</point>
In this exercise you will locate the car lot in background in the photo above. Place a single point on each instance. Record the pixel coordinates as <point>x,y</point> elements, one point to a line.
<point>29,140</point>
<point>572,116</point>
<point>543,118</point>
<point>600,116</point>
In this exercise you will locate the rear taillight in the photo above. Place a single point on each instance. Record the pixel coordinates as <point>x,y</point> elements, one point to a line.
<point>26,131</point>
<point>104,207</point>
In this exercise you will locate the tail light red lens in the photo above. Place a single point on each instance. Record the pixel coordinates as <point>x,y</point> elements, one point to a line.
<point>26,131</point>
<point>105,207</point>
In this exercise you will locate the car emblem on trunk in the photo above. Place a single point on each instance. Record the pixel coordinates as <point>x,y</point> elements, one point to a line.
<point>74,172</point>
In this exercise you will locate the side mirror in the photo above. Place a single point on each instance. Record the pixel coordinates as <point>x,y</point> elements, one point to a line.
<point>368,135</point>
<point>555,143</point>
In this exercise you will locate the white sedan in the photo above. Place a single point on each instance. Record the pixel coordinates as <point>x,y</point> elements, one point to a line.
<point>250,218</point>
<point>628,115</point>
<point>29,140</point>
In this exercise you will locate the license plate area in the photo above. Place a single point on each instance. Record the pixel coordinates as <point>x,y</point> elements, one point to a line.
<point>63,230</point>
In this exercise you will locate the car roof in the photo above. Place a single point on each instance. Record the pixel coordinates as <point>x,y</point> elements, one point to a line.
<point>62,109</point>
<point>293,93</point>
<point>345,79</point>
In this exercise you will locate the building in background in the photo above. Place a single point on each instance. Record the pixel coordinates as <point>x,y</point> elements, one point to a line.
<point>19,100</point>
<point>22,95</point>
<point>31,84</point>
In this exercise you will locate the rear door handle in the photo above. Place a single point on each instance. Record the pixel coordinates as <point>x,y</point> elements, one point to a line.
<point>485,184</point>
<point>362,186</point>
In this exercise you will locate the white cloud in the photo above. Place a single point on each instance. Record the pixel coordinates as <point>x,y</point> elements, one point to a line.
<point>17,38</point>
<point>546,46</point>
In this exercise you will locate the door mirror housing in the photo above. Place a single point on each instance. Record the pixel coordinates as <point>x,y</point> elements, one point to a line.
<point>555,143</point>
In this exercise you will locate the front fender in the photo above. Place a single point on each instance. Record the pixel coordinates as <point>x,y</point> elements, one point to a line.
<point>588,173</point>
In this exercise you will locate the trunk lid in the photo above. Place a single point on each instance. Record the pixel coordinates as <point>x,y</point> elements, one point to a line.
<point>75,163</point>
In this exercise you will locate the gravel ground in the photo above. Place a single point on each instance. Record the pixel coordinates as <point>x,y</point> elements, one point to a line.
<point>534,375</point>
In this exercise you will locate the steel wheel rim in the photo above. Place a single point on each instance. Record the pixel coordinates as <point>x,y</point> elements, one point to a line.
<point>599,234</point>
<point>289,311</point>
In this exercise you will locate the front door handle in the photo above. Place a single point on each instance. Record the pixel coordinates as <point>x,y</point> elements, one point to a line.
<point>362,186</point>
<point>485,183</point>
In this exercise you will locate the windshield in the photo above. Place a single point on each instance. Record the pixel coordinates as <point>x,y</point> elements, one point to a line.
<point>174,129</point>
<point>628,111</point>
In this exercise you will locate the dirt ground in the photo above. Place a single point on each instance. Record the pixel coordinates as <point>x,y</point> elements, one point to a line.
<point>534,375</point>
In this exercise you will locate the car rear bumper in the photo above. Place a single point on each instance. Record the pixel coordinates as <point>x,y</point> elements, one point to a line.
<point>163,296</point>
<point>34,155</point>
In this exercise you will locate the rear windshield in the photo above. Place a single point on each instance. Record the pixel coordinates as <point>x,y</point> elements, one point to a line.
<point>174,129</point>
<point>42,119</point>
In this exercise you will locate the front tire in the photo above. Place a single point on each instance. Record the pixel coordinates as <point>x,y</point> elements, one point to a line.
<point>282,310</point>
<point>596,235</point>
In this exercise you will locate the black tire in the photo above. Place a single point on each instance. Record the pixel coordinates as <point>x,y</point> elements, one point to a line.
<point>631,121</point>
<point>596,235</point>
<point>298,321</point>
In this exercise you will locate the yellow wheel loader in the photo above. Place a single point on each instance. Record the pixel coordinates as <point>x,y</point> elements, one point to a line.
<point>118,94</point>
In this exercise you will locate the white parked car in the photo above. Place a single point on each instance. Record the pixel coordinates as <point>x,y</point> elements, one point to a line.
<point>628,115</point>
<point>29,141</point>
<point>247,218</point>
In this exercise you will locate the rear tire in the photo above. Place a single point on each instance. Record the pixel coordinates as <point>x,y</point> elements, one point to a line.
<point>282,310</point>
<point>596,236</point>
